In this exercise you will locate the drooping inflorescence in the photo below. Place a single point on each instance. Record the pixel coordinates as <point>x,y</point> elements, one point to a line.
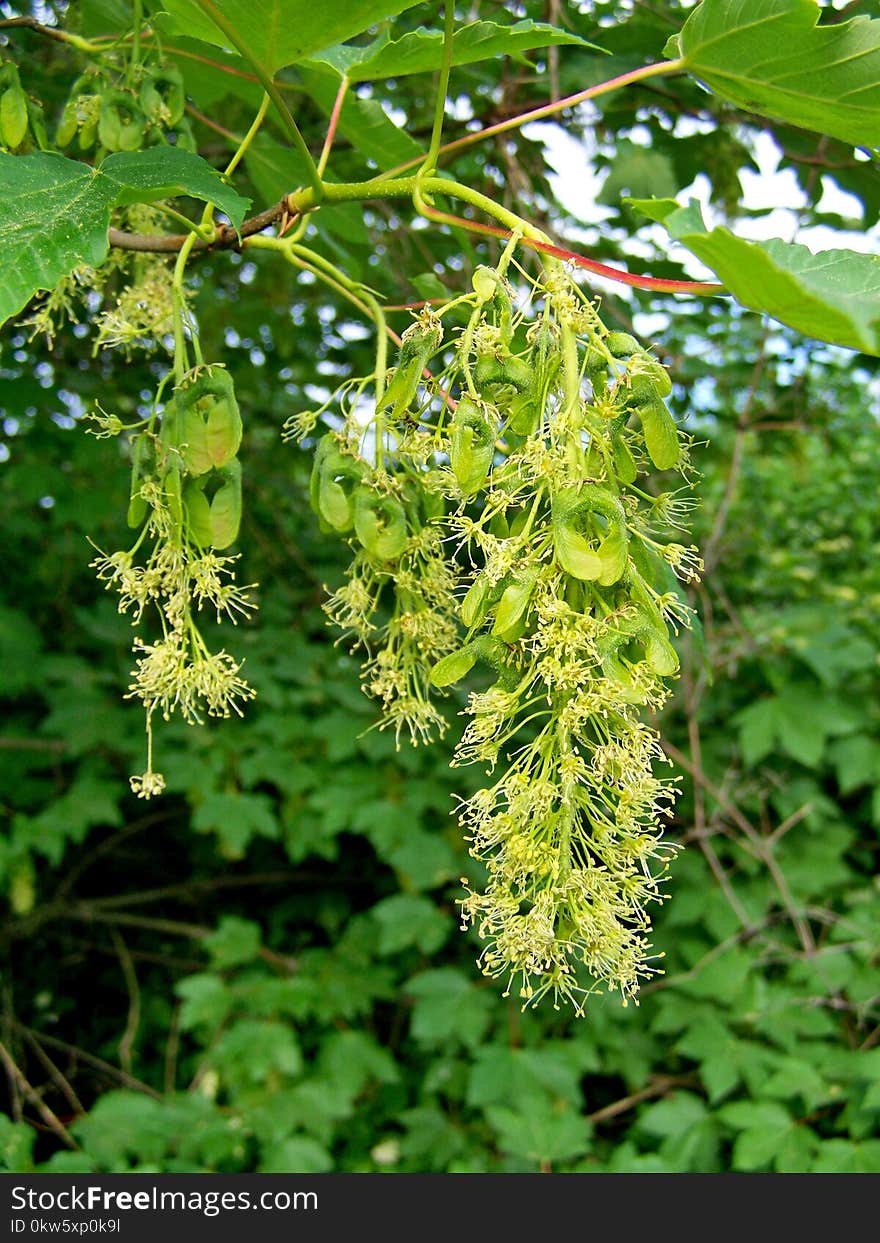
<point>501,502</point>
<point>185,504</point>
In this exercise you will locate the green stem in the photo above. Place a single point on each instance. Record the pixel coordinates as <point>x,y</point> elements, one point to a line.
<point>222,22</point>
<point>249,137</point>
<point>311,261</point>
<point>181,358</point>
<point>135,58</point>
<point>302,202</point>
<point>204,231</point>
<point>440,103</point>
<point>204,235</point>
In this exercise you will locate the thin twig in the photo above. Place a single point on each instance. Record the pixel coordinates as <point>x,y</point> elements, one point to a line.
<point>60,1079</point>
<point>51,1119</point>
<point>132,1022</point>
<point>107,1068</point>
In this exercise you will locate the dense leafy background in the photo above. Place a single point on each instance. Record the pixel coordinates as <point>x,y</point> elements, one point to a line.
<point>263,970</point>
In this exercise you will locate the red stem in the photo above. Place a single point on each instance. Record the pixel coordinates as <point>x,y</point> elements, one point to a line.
<point>333,123</point>
<point>581,261</point>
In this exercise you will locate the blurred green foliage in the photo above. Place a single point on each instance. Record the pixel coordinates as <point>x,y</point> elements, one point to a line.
<point>262,971</point>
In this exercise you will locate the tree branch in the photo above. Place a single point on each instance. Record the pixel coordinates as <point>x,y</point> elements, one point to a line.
<point>227,238</point>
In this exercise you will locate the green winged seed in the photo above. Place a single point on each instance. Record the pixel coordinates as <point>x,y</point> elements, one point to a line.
<point>648,382</point>
<point>574,554</point>
<point>485,282</point>
<point>226,508</point>
<point>162,96</point>
<point>613,553</point>
<point>661,435</point>
<point>379,523</point>
<point>13,116</point>
<point>198,515</point>
<point>472,447</point>
<point>622,345</point>
<point>452,668</point>
<point>513,606</point>
<point>120,123</point>
<point>418,343</point>
<point>624,462</point>
<point>474,606</point>
<point>661,655</point>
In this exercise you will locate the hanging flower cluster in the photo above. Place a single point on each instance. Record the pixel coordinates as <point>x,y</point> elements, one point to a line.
<point>186,505</point>
<point>499,501</point>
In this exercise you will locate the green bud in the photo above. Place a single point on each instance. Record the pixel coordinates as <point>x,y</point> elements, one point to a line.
<point>485,283</point>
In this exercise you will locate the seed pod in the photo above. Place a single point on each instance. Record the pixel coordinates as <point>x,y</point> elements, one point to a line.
<point>379,523</point>
<point>485,282</point>
<point>419,343</point>
<point>67,124</point>
<point>571,510</point>
<point>120,122</point>
<point>647,382</point>
<point>622,345</point>
<point>661,435</point>
<point>162,96</point>
<point>197,508</point>
<point>226,507</point>
<point>334,477</point>
<point>13,116</point>
<point>472,447</point>
<point>490,370</point>
<point>452,668</point>
<point>510,616</point>
<point>475,605</point>
<point>210,422</point>
<point>624,462</point>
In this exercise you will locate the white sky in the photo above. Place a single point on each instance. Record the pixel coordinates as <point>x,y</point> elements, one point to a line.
<point>577,186</point>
